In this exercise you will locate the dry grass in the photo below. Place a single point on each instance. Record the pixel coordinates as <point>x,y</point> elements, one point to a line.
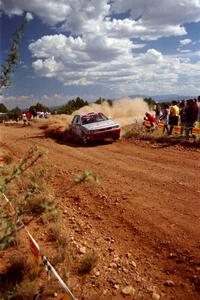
<point>34,205</point>
<point>87,263</point>
<point>13,274</point>
<point>139,132</point>
<point>30,193</point>
<point>27,290</point>
<point>57,233</point>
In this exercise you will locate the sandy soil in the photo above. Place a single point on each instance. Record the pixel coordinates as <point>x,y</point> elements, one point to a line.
<point>143,219</point>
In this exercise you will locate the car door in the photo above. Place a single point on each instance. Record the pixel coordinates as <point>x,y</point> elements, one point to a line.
<point>73,125</point>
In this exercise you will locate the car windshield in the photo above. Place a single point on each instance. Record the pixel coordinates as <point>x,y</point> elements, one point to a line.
<point>93,118</point>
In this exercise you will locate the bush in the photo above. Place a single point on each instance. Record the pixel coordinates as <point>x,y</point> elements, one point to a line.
<point>88,262</point>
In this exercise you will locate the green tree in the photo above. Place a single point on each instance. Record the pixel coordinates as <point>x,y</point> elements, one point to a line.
<point>3,108</point>
<point>12,60</point>
<point>38,107</point>
<point>16,110</point>
<point>102,100</point>
<point>72,105</point>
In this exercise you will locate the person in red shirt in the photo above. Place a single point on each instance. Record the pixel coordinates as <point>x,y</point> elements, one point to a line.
<point>28,117</point>
<point>151,119</point>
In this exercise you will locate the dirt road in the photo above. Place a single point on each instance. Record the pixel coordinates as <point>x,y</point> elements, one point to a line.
<point>147,209</point>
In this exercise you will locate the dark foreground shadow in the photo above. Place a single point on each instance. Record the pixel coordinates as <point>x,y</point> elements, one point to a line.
<point>79,144</point>
<point>65,138</point>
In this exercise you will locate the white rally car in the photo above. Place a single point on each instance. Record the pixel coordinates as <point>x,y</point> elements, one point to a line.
<point>93,126</point>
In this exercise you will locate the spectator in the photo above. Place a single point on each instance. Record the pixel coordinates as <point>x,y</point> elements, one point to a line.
<point>34,113</point>
<point>24,118</point>
<point>151,119</point>
<point>157,111</point>
<point>46,115</point>
<point>173,116</point>
<point>191,116</point>
<point>165,118</point>
<point>16,117</point>
<point>28,116</point>
<point>182,115</point>
<point>198,104</point>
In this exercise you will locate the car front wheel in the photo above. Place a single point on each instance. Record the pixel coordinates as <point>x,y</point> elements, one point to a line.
<point>115,138</point>
<point>84,139</point>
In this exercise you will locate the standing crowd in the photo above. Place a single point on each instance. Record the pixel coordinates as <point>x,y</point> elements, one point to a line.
<point>27,116</point>
<point>180,113</point>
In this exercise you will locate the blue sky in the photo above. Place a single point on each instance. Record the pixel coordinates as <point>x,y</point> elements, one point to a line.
<point>100,48</point>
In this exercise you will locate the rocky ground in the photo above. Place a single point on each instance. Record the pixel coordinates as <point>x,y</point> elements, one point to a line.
<point>141,222</point>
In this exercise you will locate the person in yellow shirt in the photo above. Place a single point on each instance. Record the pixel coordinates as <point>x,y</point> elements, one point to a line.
<point>173,116</point>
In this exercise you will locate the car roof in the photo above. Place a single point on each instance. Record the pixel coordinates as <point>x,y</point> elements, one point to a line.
<point>89,113</point>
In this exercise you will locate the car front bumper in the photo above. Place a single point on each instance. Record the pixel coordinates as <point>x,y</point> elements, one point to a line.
<point>103,134</point>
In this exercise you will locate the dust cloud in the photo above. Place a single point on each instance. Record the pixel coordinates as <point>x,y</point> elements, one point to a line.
<point>125,111</point>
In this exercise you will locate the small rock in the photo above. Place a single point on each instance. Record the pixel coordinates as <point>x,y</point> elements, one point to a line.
<point>128,290</point>
<point>169,283</point>
<point>113,265</point>
<point>116,258</point>
<point>105,292</point>
<point>171,255</point>
<point>151,288</point>
<point>55,295</point>
<point>128,255</point>
<point>97,274</point>
<point>82,250</point>
<point>133,263</point>
<point>98,217</point>
<point>125,270</point>
<point>155,296</point>
<point>138,279</point>
<point>111,249</point>
<point>116,286</point>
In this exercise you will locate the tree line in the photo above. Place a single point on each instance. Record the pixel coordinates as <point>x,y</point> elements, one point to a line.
<point>68,108</point>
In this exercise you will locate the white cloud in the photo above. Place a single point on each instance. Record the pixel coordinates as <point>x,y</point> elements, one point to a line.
<point>29,16</point>
<point>149,19</point>
<point>157,12</point>
<point>185,42</point>
<point>109,63</point>
<point>159,17</point>
<point>184,51</point>
<point>51,12</point>
<point>99,50</point>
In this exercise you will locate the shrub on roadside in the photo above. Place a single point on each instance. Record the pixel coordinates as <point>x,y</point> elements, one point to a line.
<point>87,263</point>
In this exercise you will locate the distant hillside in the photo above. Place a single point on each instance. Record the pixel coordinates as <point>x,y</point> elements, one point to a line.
<point>162,98</point>
<point>10,103</point>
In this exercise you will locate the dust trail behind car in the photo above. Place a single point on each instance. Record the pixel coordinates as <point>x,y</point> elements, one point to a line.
<point>125,111</point>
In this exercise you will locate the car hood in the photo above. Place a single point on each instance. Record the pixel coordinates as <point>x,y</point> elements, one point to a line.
<point>100,125</point>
